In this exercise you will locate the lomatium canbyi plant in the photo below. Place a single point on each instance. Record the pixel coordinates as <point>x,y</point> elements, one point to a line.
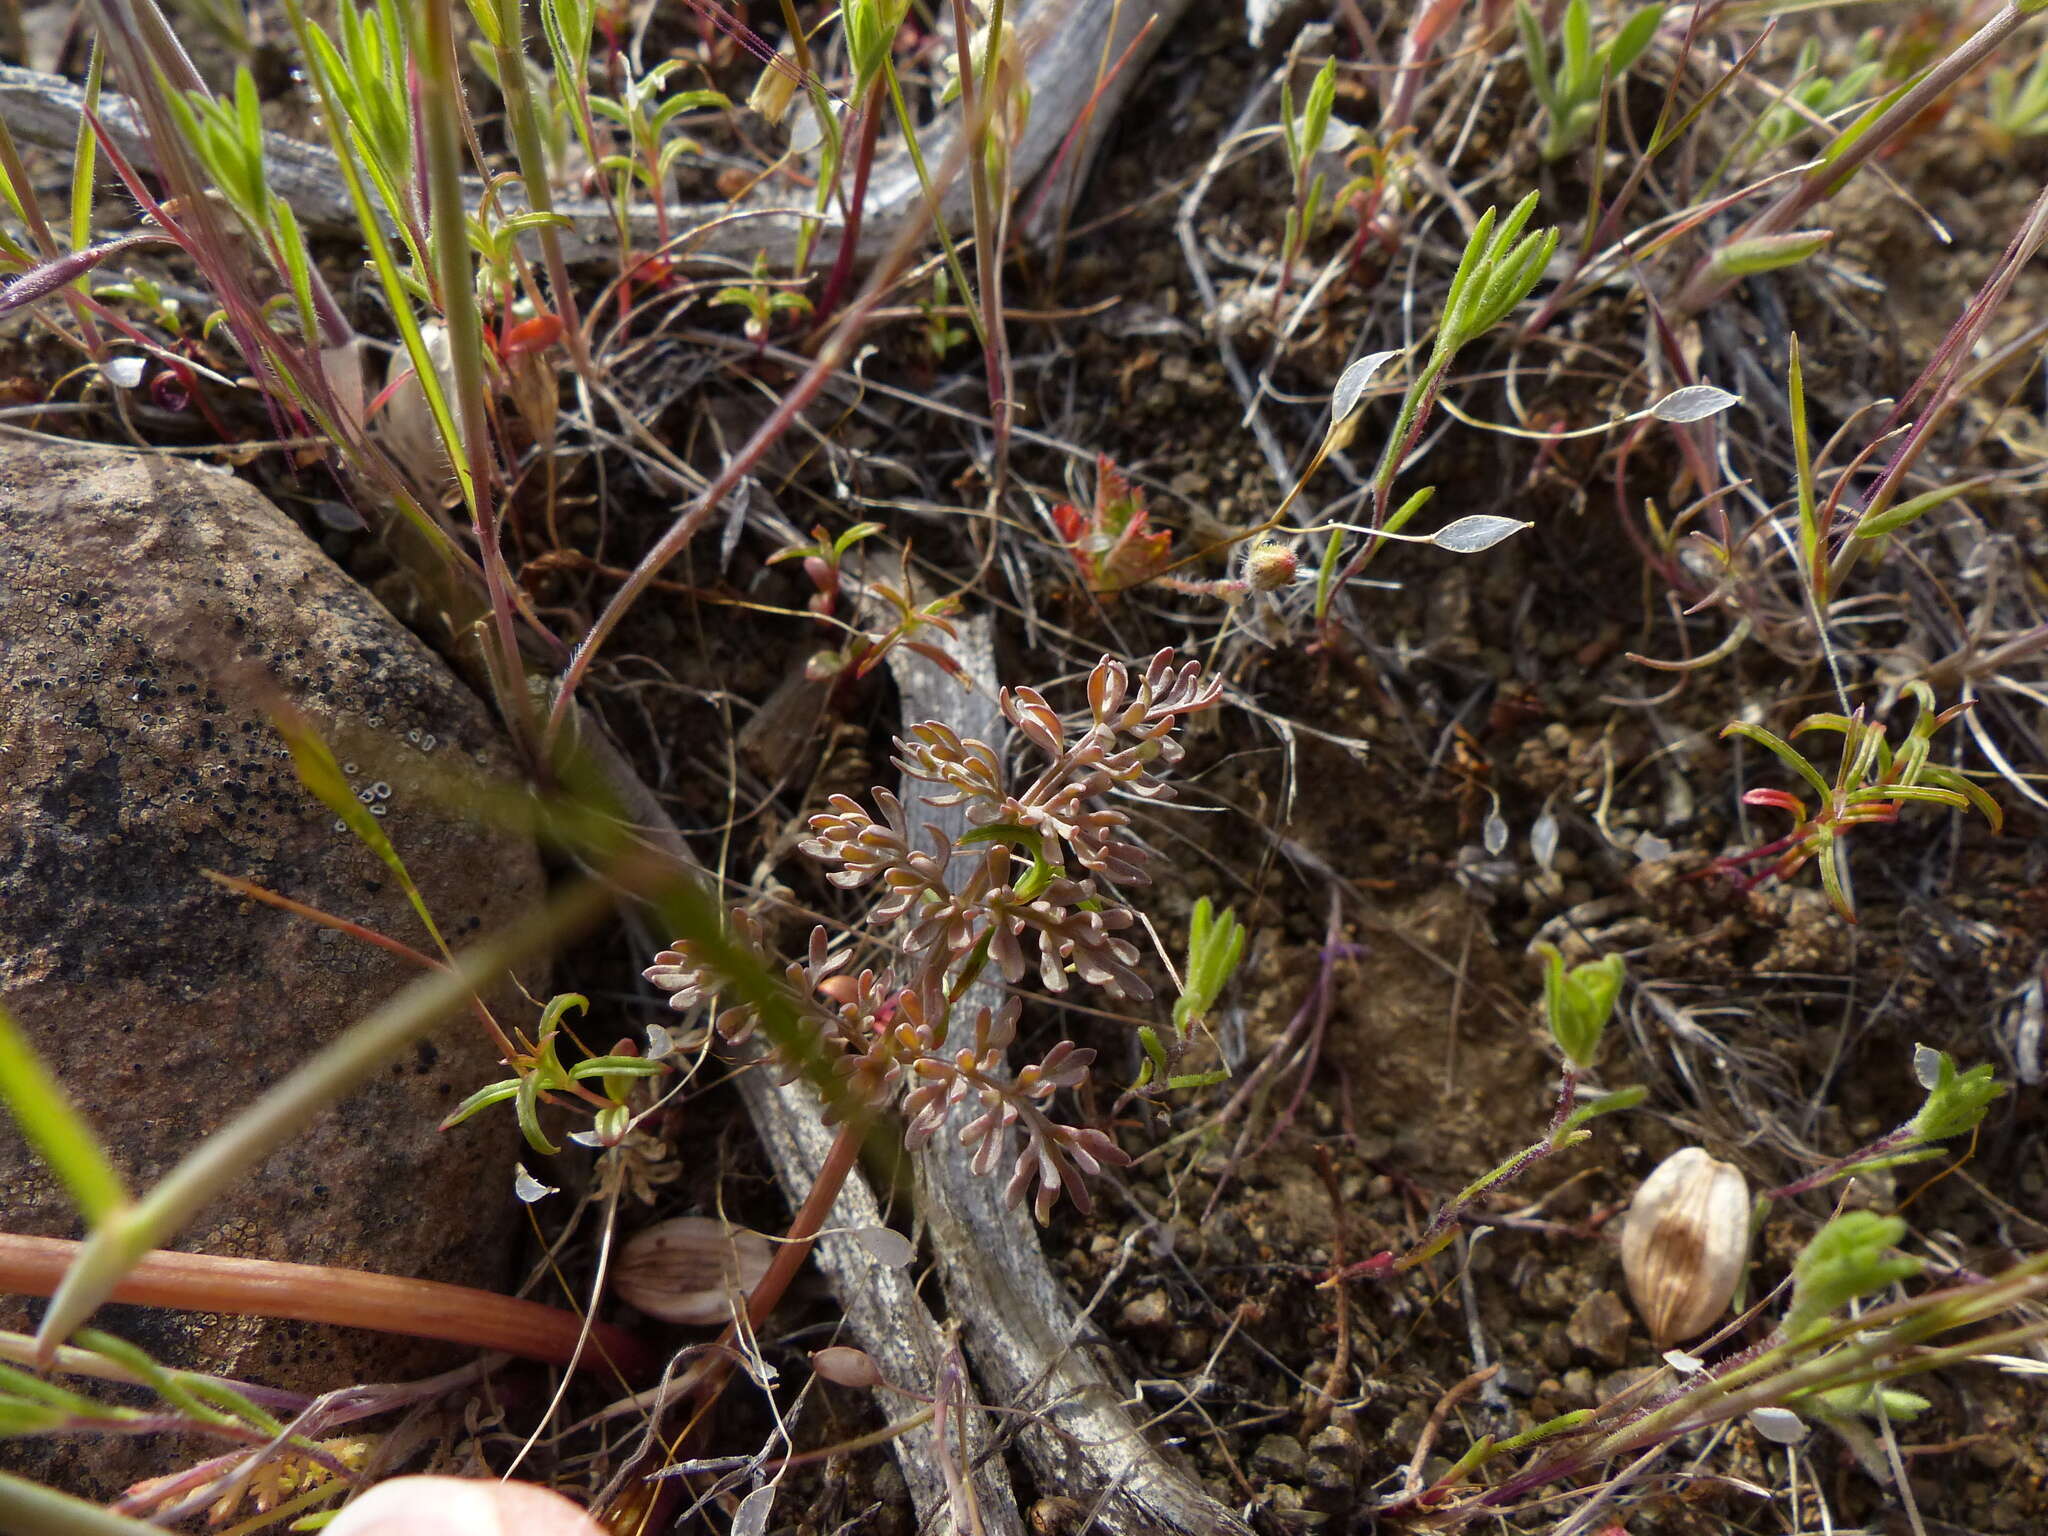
<point>1042,867</point>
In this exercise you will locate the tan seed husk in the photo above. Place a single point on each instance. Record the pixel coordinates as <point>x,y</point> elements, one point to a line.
<point>1684,1244</point>
<point>690,1269</point>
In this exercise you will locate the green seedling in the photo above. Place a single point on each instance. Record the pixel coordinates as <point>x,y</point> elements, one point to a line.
<point>226,137</point>
<point>1307,136</point>
<point>366,66</point>
<point>647,115</point>
<point>1956,1105</point>
<point>1215,946</point>
<point>911,623</point>
<point>1572,94</point>
<point>1577,1003</point>
<point>164,312</point>
<point>1821,95</point>
<point>1872,784</point>
<point>995,105</point>
<point>1501,264</point>
<point>538,1077</point>
<point>824,560</point>
<point>763,299</point>
<point>871,27</point>
<point>569,27</point>
<point>940,334</point>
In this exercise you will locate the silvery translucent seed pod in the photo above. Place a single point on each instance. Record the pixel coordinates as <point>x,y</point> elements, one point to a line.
<point>1684,1243</point>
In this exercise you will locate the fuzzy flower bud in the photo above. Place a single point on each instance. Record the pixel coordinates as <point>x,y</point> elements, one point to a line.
<point>1270,566</point>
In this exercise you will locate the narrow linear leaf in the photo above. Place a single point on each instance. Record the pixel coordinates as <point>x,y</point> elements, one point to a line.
<point>1911,511</point>
<point>1768,253</point>
<point>1633,38</point>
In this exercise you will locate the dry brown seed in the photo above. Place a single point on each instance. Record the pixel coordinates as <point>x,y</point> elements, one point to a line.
<point>690,1268</point>
<point>1684,1243</point>
<point>847,1366</point>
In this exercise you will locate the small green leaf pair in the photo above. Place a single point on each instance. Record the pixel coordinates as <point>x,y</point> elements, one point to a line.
<point>1579,1002</point>
<point>762,300</point>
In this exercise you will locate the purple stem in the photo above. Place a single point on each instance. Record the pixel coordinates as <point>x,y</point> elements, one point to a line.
<point>1884,1146</point>
<point>849,241</point>
<point>1507,1173</point>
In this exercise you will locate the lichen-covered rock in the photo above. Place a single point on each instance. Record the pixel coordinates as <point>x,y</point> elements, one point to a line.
<point>150,615</point>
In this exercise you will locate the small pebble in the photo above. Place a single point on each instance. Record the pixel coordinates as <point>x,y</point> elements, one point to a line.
<point>1151,1310</point>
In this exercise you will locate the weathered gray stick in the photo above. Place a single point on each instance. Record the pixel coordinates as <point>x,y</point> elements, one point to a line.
<point>884,1313</point>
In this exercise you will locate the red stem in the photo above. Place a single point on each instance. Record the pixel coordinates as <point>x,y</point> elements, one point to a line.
<point>810,1219</point>
<point>347,1298</point>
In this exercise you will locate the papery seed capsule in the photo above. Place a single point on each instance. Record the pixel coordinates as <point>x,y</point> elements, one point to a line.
<point>1684,1243</point>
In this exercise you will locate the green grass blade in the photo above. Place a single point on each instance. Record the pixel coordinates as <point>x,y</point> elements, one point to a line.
<point>85,157</point>
<point>29,1509</point>
<point>51,1125</point>
<point>313,761</point>
<point>1786,753</point>
<point>1802,449</point>
<point>359,1054</point>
